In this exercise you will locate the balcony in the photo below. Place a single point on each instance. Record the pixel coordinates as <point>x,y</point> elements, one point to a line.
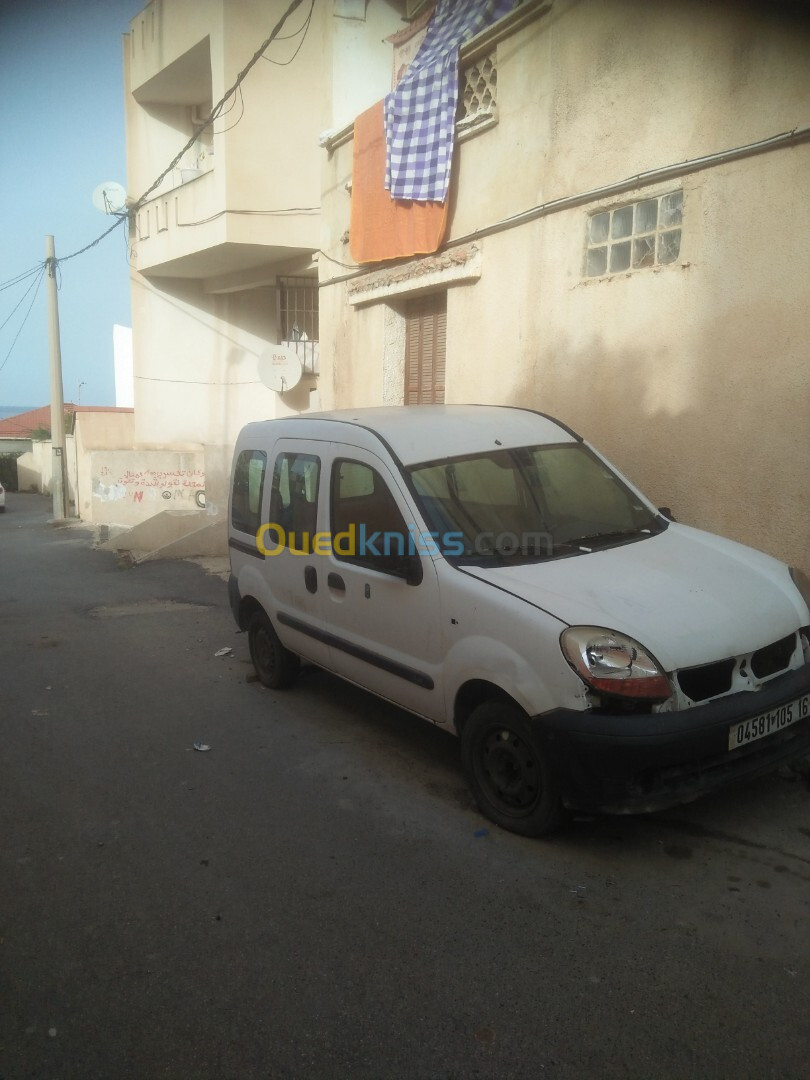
<point>187,232</point>
<point>169,53</point>
<point>308,352</point>
<point>245,194</point>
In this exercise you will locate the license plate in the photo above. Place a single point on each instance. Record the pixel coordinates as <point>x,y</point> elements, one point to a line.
<point>768,722</point>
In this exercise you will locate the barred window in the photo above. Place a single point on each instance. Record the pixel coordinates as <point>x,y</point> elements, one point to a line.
<point>634,237</point>
<point>477,108</point>
<point>298,308</point>
<point>478,92</point>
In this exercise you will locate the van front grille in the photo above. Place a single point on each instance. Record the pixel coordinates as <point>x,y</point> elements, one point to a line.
<point>713,680</point>
<point>773,658</point>
<point>708,680</point>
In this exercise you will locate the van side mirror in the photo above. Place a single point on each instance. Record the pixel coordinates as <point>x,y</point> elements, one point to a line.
<point>407,567</point>
<point>413,574</point>
<point>665,510</point>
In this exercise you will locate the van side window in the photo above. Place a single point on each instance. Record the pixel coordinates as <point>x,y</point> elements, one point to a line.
<point>367,526</point>
<point>294,500</point>
<point>246,496</point>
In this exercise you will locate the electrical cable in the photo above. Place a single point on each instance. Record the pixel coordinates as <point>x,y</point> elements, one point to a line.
<point>197,382</point>
<point>27,291</point>
<point>121,219</point>
<point>254,213</point>
<point>215,111</point>
<point>212,116</point>
<point>337,262</point>
<point>230,127</point>
<point>20,277</point>
<point>305,28</point>
<point>25,320</point>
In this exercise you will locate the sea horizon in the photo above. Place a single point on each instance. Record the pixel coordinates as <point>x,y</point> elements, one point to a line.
<point>14,410</point>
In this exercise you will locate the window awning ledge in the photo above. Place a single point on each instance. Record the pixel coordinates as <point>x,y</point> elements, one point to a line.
<point>450,267</point>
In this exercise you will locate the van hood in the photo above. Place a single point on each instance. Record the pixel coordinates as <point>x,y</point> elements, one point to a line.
<point>687,596</point>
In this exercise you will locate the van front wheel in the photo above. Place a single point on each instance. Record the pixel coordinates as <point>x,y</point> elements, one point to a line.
<point>276,666</point>
<point>507,771</point>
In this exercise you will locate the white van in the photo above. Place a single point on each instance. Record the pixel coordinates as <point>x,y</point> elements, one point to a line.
<point>488,570</point>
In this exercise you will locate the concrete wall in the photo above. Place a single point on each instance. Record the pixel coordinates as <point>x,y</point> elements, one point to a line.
<point>207,252</point>
<point>35,469</point>
<point>196,362</point>
<point>204,296</point>
<point>130,486</point>
<point>361,59</point>
<point>29,469</point>
<point>691,377</point>
<point>97,431</point>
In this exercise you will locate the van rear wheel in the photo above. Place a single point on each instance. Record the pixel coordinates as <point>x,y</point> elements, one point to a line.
<point>276,666</point>
<point>508,771</point>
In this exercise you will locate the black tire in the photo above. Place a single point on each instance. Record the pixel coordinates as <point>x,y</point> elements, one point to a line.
<point>508,772</point>
<point>276,666</point>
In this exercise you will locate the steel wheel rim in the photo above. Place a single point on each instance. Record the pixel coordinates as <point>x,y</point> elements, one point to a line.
<point>263,652</point>
<point>509,772</point>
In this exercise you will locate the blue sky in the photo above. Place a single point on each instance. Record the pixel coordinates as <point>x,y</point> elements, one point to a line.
<point>62,134</point>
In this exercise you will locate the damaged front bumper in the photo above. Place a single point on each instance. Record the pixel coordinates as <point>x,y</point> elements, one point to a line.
<point>638,762</point>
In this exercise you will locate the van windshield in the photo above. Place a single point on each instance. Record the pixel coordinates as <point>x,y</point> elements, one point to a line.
<point>528,504</point>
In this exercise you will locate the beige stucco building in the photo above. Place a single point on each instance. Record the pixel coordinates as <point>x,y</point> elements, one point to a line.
<point>627,250</point>
<point>224,249</point>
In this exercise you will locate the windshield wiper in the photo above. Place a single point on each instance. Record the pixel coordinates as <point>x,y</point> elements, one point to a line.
<point>608,537</point>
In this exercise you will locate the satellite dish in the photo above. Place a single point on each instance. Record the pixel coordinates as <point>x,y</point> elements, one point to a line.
<point>279,368</point>
<point>110,198</point>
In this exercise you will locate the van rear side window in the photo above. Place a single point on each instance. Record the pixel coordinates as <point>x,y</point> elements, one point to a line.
<point>294,500</point>
<point>246,497</point>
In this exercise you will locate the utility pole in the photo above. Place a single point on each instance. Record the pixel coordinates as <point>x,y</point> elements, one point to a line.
<point>58,472</point>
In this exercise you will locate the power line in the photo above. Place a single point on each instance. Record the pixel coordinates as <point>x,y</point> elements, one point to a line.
<point>215,114</point>
<point>212,116</point>
<point>28,312</point>
<point>248,213</point>
<point>27,291</point>
<point>305,28</point>
<point>230,127</point>
<point>121,219</point>
<point>20,277</point>
<point>197,382</point>
<point>337,262</point>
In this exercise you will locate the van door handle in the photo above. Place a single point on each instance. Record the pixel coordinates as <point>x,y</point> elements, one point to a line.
<point>335,581</point>
<point>311,578</point>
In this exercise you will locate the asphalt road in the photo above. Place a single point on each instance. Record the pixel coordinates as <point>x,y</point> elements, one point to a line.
<point>314,896</point>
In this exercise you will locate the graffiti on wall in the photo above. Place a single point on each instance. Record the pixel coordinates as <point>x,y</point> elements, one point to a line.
<point>173,486</point>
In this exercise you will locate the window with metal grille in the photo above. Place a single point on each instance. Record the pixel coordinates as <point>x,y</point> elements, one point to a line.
<point>479,87</point>
<point>425,349</point>
<point>478,94</point>
<point>633,237</point>
<point>298,309</point>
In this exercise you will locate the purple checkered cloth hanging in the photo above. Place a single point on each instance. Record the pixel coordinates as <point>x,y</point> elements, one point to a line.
<point>420,114</point>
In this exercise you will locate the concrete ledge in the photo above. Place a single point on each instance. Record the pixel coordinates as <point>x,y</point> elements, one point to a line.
<point>172,535</point>
<point>209,540</point>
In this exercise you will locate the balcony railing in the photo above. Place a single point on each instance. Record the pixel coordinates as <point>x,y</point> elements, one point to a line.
<point>308,352</point>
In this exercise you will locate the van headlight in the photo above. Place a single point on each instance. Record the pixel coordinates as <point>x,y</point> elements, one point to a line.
<point>612,663</point>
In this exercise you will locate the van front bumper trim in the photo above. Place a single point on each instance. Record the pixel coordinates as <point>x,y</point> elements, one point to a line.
<point>638,762</point>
